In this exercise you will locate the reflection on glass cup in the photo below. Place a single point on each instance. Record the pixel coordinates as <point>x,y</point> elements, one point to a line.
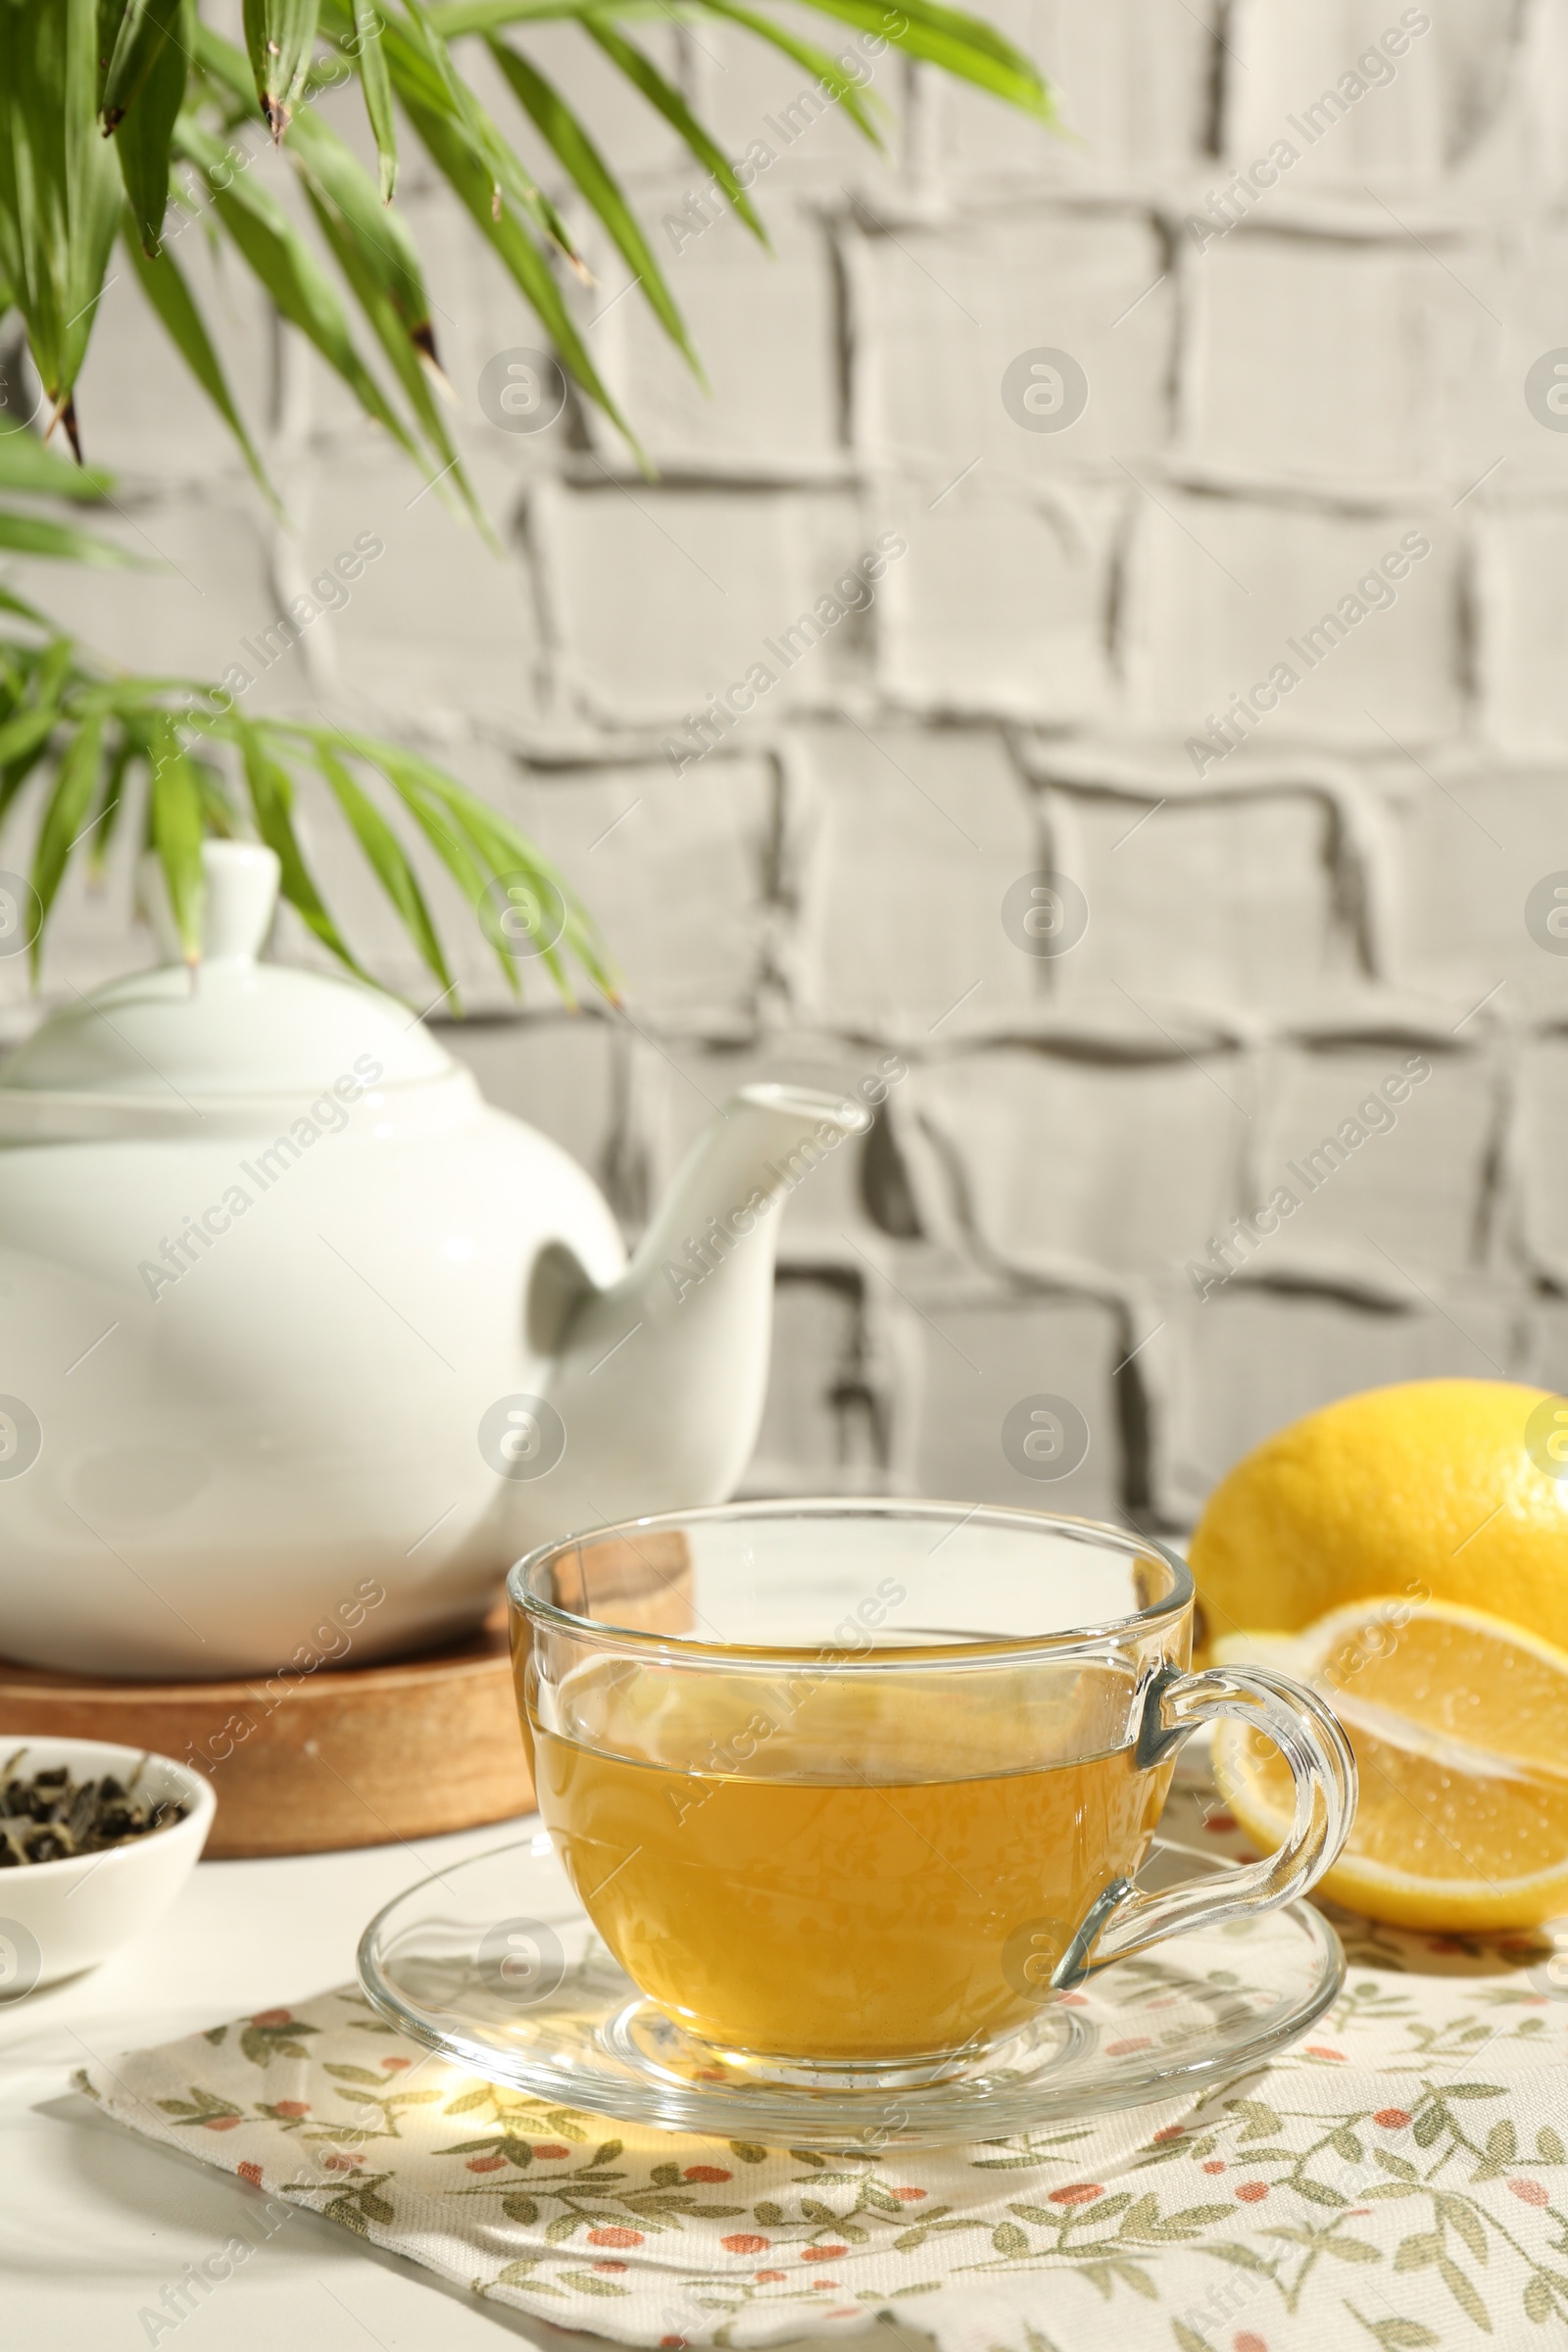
<point>858,1785</point>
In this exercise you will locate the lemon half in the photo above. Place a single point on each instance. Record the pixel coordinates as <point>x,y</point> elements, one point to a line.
<point>1459,1723</point>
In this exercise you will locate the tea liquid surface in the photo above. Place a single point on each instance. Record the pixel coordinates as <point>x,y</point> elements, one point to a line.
<point>864,1869</point>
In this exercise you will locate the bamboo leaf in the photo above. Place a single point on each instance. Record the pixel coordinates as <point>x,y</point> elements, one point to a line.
<point>644,76</point>
<point>387,858</point>
<point>160,279</point>
<point>280,38</point>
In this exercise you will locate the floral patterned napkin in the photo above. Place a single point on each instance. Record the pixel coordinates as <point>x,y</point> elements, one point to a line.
<point>1401,2178</point>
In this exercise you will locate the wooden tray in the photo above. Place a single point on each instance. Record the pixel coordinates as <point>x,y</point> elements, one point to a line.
<point>356,1755</point>
<point>352,1756</point>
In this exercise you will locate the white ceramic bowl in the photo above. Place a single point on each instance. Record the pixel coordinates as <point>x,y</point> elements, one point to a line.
<point>57,1918</point>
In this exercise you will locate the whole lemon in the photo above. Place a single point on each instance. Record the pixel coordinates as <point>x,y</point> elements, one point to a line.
<point>1439,1487</point>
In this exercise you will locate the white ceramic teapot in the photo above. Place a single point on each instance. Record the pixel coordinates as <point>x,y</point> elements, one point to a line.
<point>290,1318</point>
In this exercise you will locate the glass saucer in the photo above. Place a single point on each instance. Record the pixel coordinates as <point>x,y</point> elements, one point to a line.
<point>493,1965</point>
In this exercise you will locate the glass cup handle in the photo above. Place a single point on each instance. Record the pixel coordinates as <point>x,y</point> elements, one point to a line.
<point>1308,1734</point>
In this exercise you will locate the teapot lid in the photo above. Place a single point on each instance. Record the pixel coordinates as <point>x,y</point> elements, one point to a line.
<point>175,1041</point>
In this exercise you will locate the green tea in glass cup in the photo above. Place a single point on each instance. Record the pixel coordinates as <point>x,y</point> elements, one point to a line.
<point>857,1786</point>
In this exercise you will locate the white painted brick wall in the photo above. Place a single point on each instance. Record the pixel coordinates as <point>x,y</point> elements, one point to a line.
<point>1270,410</point>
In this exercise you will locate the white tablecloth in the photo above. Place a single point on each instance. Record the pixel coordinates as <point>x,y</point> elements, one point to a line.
<point>95,2220</point>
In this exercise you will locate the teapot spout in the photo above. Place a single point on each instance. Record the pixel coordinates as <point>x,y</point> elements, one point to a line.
<point>661,1378</point>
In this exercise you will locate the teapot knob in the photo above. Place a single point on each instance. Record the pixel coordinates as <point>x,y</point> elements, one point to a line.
<point>239,899</point>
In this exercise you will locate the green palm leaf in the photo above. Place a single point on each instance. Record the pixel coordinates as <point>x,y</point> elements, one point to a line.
<point>826,69</point>
<point>376,255</point>
<point>290,271</point>
<point>58,183</point>
<point>592,175</point>
<point>27,465</point>
<point>177,823</point>
<point>376,83</point>
<point>141,43</point>
<point>166,289</point>
<point>388,860</point>
<point>97,97</point>
<point>47,674</point>
<point>272,793</point>
<point>62,542</point>
<point>964,46</point>
<point>66,812</point>
<point>522,258</point>
<point>644,76</point>
<point>131,749</point>
<point>168,85</point>
<point>142,109</point>
<point>425,77</point>
<point>281,37</point>
<point>31,721</point>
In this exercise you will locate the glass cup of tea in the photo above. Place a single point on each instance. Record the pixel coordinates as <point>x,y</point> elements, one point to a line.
<point>853,1789</point>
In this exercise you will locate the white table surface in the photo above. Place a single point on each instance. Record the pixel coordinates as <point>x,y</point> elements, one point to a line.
<point>95,2220</point>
